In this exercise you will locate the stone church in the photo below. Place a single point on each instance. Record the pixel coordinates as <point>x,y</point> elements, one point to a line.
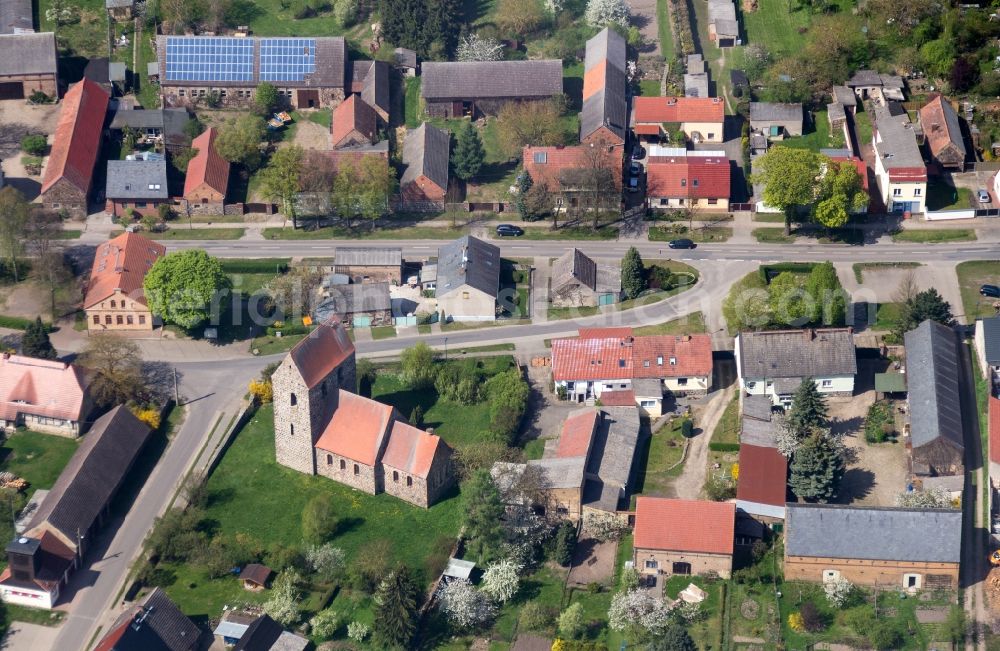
<point>322,427</point>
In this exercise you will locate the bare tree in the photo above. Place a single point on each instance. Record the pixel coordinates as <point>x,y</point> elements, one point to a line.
<point>907,288</point>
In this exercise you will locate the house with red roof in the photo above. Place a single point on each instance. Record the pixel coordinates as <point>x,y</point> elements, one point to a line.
<point>943,132</point>
<point>76,143</point>
<point>321,427</point>
<point>683,537</point>
<point>354,123</point>
<point>581,177</point>
<point>899,166</point>
<point>207,176</point>
<point>700,118</point>
<point>115,299</point>
<point>602,360</point>
<point>677,178</point>
<point>43,395</point>
<point>762,483</point>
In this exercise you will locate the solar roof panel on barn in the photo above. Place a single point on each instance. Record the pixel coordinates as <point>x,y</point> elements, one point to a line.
<point>287,59</point>
<point>209,59</point>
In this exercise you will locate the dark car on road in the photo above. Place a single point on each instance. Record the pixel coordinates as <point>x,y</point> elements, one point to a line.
<point>504,230</point>
<point>682,243</point>
<point>990,291</point>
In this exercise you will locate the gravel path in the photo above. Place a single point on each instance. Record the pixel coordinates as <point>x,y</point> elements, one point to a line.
<point>689,484</point>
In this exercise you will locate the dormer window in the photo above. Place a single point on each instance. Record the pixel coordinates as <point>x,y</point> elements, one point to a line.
<point>659,360</point>
<point>541,157</point>
<point>673,361</point>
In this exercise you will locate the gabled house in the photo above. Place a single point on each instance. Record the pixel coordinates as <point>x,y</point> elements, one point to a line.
<point>265,634</point>
<point>426,152</point>
<point>933,372</point>
<point>207,178</point>
<point>610,359</point>
<point>700,118</point>
<point>139,186</point>
<point>776,121</point>
<point>677,178</point>
<point>899,165</point>
<point>683,537</point>
<point>577,280</point>
<point>987,344</point>
<point>154,623</point>
<point>468,279</point>
<point>723,27</point>
<point>370,81</point>
<point>604,116</point>
<point>76,143</point>
<point>154,125</point>
<point>579,177</point>
<point>27,60</point>
<point>114,299</point>
<point>369,265</point>
<point>354,123</point>
<point>891,548</point>
<point>943,133</point>
<point>774,363</point>
<point>43,395</point>
<point>762,485</point>
<point>453,89</point>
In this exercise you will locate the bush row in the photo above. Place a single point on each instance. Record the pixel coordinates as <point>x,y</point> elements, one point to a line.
<point>258,266</point>
<point>724,447</point>
<point>17,323</point>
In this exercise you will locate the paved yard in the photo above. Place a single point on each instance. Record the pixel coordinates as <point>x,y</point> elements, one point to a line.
<point>593,562</point>
<point>29,637</point>
<point>881,285</point>
<point>643,14</point>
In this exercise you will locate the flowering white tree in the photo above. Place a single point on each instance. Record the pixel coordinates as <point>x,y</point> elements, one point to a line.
<point>358,631</point>
<point>932,498</point>
<point>465,606</point>
<point>638,611</point>
<point>502,579</point>
<point>601,13</point>
<point>326,560</point>
<point>325,623</point>
<point>554,6</point>
<point>474,47</point>
<point>838,591</point>
<point>690,612</point>
<point>604,527</point>
<point>283,606</point>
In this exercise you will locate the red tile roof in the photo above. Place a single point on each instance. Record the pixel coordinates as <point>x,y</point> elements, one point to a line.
<point>619,358</point>
<point>411,450</point>
<point>858,164</point>
<point>323,350</point>
<point>594,79</point>
<point>618,398</point>
<point>937,126</point>
<point>353,114</point>
<point>763,475</point>
<point>678,109</point>
<point>77,138</point>
<point>647,129</point>
<point>41,387</point>
<point>994,424</point>
<point>696,177</point>
<point>908,174</point>
<point>120,266</point>
<point>599,333</point>
<point>356,428</point>
<point>207,167</point>
<point>577,434</point>
<point>559,158</point>
<point>684,525</point>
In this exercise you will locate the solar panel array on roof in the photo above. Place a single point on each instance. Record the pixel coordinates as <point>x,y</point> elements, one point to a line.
<point>287,59</point>
<point>209,59</point>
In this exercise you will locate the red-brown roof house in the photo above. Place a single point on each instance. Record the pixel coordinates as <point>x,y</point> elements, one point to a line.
<point>354,123</point>
<point>943,132</point>
<point>76,143</point>
<point>416,466</point>
<point>577,434</point>
<point>155,622</point>
<point>426,152</point>
<point>762,484</point>
<point>43,395</point>
<point>207,176</point>
<point>115,299</point>
<point>700,118</point>
<point>683,536</point>
<point>575,174</point>
<point>688,181</point>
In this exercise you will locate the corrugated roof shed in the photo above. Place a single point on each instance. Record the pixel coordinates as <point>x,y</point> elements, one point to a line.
<point>574,266</point>
<point>376,256</point>
<point>469,261</point>
<point>932,369</point>
<point>485,79</point>
<point>426,152</point>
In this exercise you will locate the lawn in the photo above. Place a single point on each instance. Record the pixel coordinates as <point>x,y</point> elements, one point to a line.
<point>769,218</point>
<point>666,36</point>
<point>769,235</point>
<point>250,284</point>
<point>700,234</point>
<point>383,332</point>
<point>650,87</point>
<point>340,232</point>
<point>67,234</point>
<point>863,127</point>
<point>87,37</point>
<point>971,275</point>
<point>935,235</point>
<point>945,196</point>
<point>194,234</point>
<point>38,458</point>
<point>693,323</point>
<point>411,106</point>
<point>570,233</point>
<point>272,345</point>
<point>322,117</point>
<point>777,23</point>
<point>752,611</point>
<point>660,460</point>
<point>860,268</point>
<point>707,633</point>
<point>886,316</point>
<point>815,134</point>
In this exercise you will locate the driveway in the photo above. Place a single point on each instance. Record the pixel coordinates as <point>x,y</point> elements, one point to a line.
<point>29,637</point>
<point>644,17</point>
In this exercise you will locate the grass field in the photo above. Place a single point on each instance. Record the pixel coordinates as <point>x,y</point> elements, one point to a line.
<point>935,235</point>
<point>660,460</point>
<point>886,316</point>
<point>815,134</point>
<point>194,234</point>
<point>272,345</point>
<point>700,234</point>
<point>383,332</point>
<point>38,458</point>
<point>570,233</point>
<point>693,323</point>
<point>971,275</point>
<point>772,235</point>
<point>944,196</point>
<point>861,268</point>
<point>364,233</point>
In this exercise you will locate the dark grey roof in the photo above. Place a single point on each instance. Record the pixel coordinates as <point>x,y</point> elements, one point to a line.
<point>612,453</point>
<point>426,151</point>
<point>469,261</point>
<point>991,340</point>
<point>113,4</point>
<point>376,256</point>
<point>647,387</point>
<point>357,298</point>
<point>932,376</point>
<point>27,54</point>
<point>155,624</point>
<point>574,266</point>
<point>607,107</point>
<point>835,111</point>
<point>774,112</point>
<point>138,119</point>
<point>608,46</point>
<point>797,353</point>
<point>836,153</point>
<point>136,179</point>
<point>562,472</point>
<point>260,635</point>
<point>15,16</point>
<point>739,78</point>
<point>896,143</point>
<point>93,473</point>
<point>759,424</point>
<point>873,533</point>
<point>954,128</point>
<point>892,81</point>
<point>864,78</point>
<point>376,86</point>
<point>486,79</point>
<point>844,96</point>
<point>97,71</point>
<point>404,58</point>
<point>174,121</point>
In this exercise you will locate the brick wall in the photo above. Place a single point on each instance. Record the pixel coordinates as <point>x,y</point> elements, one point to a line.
<point>721,564</point>
<point>867,572</point>
<point>65,196</point>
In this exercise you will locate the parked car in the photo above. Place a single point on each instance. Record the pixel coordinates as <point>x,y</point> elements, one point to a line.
<point>990,291</point>
<point>638,152</point>
<point>681,243</point>
<point>635,169</point>
<point>983,196</point>
<point>509,229</point>
<point>633,184</point>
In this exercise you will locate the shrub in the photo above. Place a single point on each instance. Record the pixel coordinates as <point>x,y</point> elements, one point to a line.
<point>149,416</point>
<point>261,391</point>
<point>687,429</point>
<point>534,617</point>
<point>719,489</point>
<point>723,447</point>
<point>812,619</point>
<point>34,144</point>
<point>357,631</point>
<point>879,422</point>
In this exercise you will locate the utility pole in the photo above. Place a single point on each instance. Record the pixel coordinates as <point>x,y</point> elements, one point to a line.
<point>177,398</point>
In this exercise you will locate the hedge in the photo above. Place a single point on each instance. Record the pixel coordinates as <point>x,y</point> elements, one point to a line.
<point>256,266</point>
<point>724,447</point>
<point>778,267</point>
<point>17,323</point>
<point>289,329</point>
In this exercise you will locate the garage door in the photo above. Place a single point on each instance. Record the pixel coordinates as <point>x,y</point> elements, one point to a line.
<point>362,322</point>
<point>12,90</point>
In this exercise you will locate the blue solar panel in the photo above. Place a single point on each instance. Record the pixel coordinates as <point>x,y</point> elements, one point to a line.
<point>200,59</point>
<point>287,59</point>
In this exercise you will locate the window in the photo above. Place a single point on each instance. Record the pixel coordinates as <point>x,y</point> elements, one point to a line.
<point>142,319</point>
<point>830,575</point>
<point>647,403</point>
<point>751,385</point>
<point>673,361</point>
<point>911,581</point>
<point>128,319</point>
<point>343,464</point>
<point>541,157</point>
<point>711,136</point>
<point>645,363</point>
<point>107,319</point>
<point>826,384</point>
<point>713,202</point>
<point>897,192</point>
<point>357,471</point>
<point>395,476</point>
<point>659,360</point>
<point>682,381</point>
<point>694,182</point>
<point>917,192</point>
<point>114,304</point>
<point>684,183</point>
<point>291,429</point>
<point>180,93</point>
<point>293,400</point>
<point>329,459</point>
<point>465,294</point>
<point>141,204</point>
<point>409,481</point>
<point>222,93</point>
<point>97,320</point>
<point>651,565</point>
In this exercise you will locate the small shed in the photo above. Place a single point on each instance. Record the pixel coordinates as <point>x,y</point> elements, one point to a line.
<point>405,61</point>
<point>255,577</point>
<point>887,384</point>
<point>458,569</point>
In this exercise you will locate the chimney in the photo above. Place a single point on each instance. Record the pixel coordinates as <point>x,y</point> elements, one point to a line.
<point>23,558</point>
<point>430,430</point>
<point>809,333</point>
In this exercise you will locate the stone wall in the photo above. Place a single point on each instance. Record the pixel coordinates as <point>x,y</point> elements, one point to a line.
<point>347,471</point>
<point>699,563</point>
<point>418,490</point>
<point>65,196</point>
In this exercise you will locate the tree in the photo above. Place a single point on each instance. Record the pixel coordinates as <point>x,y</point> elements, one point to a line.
<point>789,302</point>
<point>182,287</point>
<point>325,623</point>
<point>637,614</point>
<point>326,560</point>
<point>15,213</point>
<point>363,189</point>
<point>34,144</point>
<point>518,18</point>
<point>838,591</point>
<point>756,60</point>
<point>921,306</point>
<point>572,622</point>
<point>117,367</point>
<point>674,638</point>
<point>280,179</point>
<point>483,511</point>
<point>565,543</point>
<point>633,273</point>
<point>149,222</point>
<point>508,399</point>
<point>474,47</point>
<point>467,159</point>
<point>293,293</point>
<point>809,410</point>
<point>529,123</point>
<point>358,631</point>
<point>396,618</point>
<point>816,469</point>
<point>789,177</point>
<point>841,193</point>
<point>318,172</point>
<point>345,12</point>
<point>283,606</point>
<point>602,13</point>
<point>418,366</point>
<point>239,141</point>
<point>747,306</point>
<point>266,99</point>
<point>35,342</point>
<point>466,607</point>
<point>828,295</point>
<point>502,579</point>
<point>319,519</point>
